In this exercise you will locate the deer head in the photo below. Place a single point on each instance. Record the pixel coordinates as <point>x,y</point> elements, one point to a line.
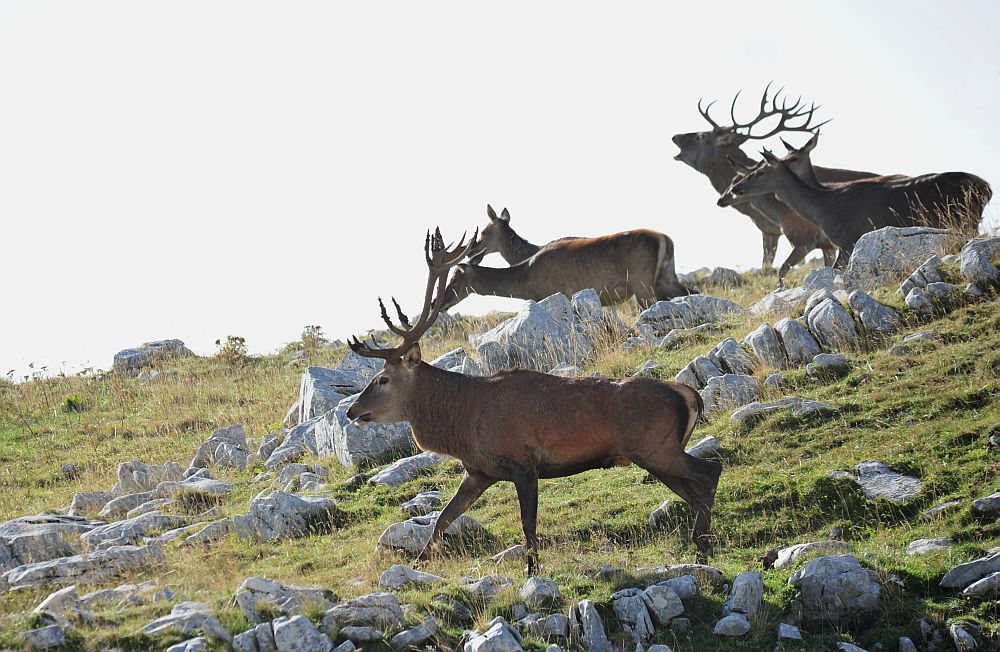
<point>385,398</point>
<point>764,178</point>
<point>799,160</point>
<point>494,235</point>
<point>704,150</point>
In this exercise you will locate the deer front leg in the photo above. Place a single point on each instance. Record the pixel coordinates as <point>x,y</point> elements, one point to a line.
<point>527,496</point>
<point>472,487</point>
<point>770,242</point>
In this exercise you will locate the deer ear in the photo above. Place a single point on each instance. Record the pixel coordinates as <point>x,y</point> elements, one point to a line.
<point>412,356</point>
<point>788,148</point>
<point>504,215</point>
<point>768,156</point>
<point>490,213</point>
<point>808,147</point>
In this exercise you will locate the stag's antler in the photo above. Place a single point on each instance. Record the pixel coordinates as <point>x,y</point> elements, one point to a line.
<point>704,113</point>
<point>786,111</point>
<point>440,260</point>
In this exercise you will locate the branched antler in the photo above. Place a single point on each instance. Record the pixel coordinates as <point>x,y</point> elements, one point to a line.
<point>785,111</point>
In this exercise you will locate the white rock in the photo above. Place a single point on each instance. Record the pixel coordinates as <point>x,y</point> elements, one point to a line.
<point>976,262</point>
<point>746,594</point>
<point>260,598</point>
<point>782,302</point>
<point>540,592</point>
<point>355,444</point>
<point>379,610</point>
<point>928,546</point>
<point>591,626</point>
<point>789,633</point>
<point>298,634</point>
<point>799,344</point>
<point>795,405</point>
<point>788,557</point>
<point>962,638</point>
<point>876,318</point>
<point>707,447</point>
<point>397,576</point>
<point>836,589</point>
<point>988,506</point>
<point>281,515</point>
<point>188,618</point>
<point>767,347</point>
<point>832,325</point>
<point>729,392</point>
<point>885,256</point>
<point>413,534</point>
<point>963,575</point>
<point>686,312</point>
<point>406,469</point>
<point>97,566</point>
<point>986,586</point>
<point>129,360</point>
<point>663,603</point>
<point>733,625</point>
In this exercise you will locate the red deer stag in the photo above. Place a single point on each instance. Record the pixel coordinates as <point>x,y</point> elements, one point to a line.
<point>636,263</point>
<point>499,238</point>
<point>847,211</point>
<point>717,155</point>
<point>520,426</point>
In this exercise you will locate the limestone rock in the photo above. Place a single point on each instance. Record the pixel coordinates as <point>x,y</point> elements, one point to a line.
<point>697,373</point>
<point>684,586</point>
<point>963,575</point>
<point>707,447</point>
<point>828,365</point>
<point>782,302</point>
<point>260,598</point>
<point>664,604</point>
<point>136,476</point>
<point>487,587</point>
<point>988,506</point>
<point>989,585</point>
<point>733,625</point>
<point>686,312</point>
<point>88,503</point>
<point>767,347</point>
<point>398,576</point>
<point>928,546</point>
<point>356,444</point>
<point>631,611</point>
<point>732,358</point>
<point>962,638</point>
<point>885,256</point>
<point>298,634</point>
<point>976,262</point>
<point>788,557</point>
<point>43,638</point>
<point>498,638</point>
<point>413,534</point>
<point>406,469</point>
<point>281,515</point>
<point>729,392</point>
<point>189,618</point>
<point>39,538</point>
<point>799,344</point>
<point>132,530</point>
<point>836,589</point>
<point>591,626</point>
<point>540,592</point>
<point>746,594</point>
<point>379,610</point>
<point>880,481</point>
<point>832,325</point>
<point>130,360</point>
<point>794,404</point>
<point>875,318</point>
<point>921,276</point>
<point>97,566</point>
<point>414,637</point>
<point>423,503</point>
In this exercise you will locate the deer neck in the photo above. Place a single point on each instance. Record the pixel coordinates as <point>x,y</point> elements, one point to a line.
<point>500,281</point>
<point>439,411</point>
<point>811,201</point>
<point>516,249</point>
<point>720,171</point>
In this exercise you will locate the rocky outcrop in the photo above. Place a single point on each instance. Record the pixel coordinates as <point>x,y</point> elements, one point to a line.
<point>148,354</point>
<point>887,255</point>
<point>355,444</point>
<point>837,589</point>
<point>281,515</point>
<point>259,599</point>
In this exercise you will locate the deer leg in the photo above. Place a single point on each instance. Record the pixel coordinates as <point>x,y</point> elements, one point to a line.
<point>770,249</point>
<point>527,496</point>
<point>798,253</point>
<point>842,257</point>
<point>472,487</point>
<point>695,481</point>
<point>829,256</point>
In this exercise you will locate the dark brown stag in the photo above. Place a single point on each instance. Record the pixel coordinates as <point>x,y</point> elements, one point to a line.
<point>522,426</point>
<point>636,263</point>
<point>717,155</point>
<point>847,211</point>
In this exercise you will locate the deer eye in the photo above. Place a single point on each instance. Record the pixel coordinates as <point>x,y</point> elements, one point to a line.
<point>383,380</point>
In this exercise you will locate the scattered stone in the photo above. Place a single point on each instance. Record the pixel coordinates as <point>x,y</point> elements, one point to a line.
<point>406,469</point>
<point>684,586</point>
<point>774,381</point>
<point>227,448</point>
<point>136,476</point>
<point>836,589</point>
<point>963,575</point>
<point>697,373</point>
<point>928,546</point>
<point>360,443</point>
<point>414,637</point>
<point>130,531</point>
<point>706,448</point>
<point>361,634</point>
<point>149,506</point>
<point>195,488</point>
<point>880,481</point>
<point>130,360</point>
<point>297,470</point>
<point>701,572</point>
<point>767,347</point>
<point>746,594</point>
<point>43,638</point>
<point>568,371</point>
<point>918,301</point>
<point>398,576</point>
<point>976,261</point>
<point>962,638</point>
<point>413,534</point>
<point>647,369</point>
<point>986,586</point>
<point>590,625</point>
<point>129,594</point>
<point>827,278</point>
<point>514,553</point>
<point>260,599</point>
<point>729,392</point>
<point>788,557</point>
<point>97,566</point>
<point>487,587</point>
<point>500,637</point>
<point>298,634</point>
<point>797,406</point>
<point>31,539</point>
<point>849,647</point>
<point>686,312</point>
<point>799,344</point>
<point>782,302</point>
<point>281,515</point>
<point>988,506</point>
<point>423,503</point>
<point>379,610</point>
<point>876,318</point>
<point>733,625</point>
<point>88,503</point>
<point>729,356</point>
<point>664,516</point>
<point>921,276</point>
<point>831,324</point>
<point>664,604</point>
<point>540,592</point>
<point>943,508</point>
<point>828,365</point>
<point>189,618</point>
<point>789,633</point>
<point>631,611</point>
<point>906,645</point>
<point>196,644</point>
<point>886,255</point>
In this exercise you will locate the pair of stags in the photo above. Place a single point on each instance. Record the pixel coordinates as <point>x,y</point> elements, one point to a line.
<point>817,207</point>
<point>522,426</point>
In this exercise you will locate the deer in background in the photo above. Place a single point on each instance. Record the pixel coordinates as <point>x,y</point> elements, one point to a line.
<point>847,211</point>
<point>717,155</point>
<point>522,426</point>
<point>637,263</point>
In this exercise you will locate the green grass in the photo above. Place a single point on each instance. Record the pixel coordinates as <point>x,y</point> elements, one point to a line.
<point>930,412</point>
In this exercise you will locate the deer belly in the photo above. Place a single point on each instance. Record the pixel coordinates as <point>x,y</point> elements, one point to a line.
<point>572,467</point>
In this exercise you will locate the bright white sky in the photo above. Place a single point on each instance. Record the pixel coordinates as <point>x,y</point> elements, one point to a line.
<point>197,169</point>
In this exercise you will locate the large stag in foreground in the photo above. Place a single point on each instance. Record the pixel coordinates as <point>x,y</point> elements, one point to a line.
<point>498,237</point>
<point>521,426</point>
<point>847,211</point>
<point>717,155</point>
<point>636,263</point>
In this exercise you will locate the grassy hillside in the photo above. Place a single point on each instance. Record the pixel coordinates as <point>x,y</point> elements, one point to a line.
<point>930,411</point>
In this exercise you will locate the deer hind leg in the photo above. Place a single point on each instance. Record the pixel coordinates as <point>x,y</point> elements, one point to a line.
<point>798,253</point>
<point>527,497</point>
<point>695,481</point>
<point>829,256</point>
<point>770,241</point>
<point>472,487</point>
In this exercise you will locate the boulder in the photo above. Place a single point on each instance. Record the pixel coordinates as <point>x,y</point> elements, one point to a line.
<point>919,302</point>
<point>887,255</point>
<point>97,566</point>
<point>136,476</point>
<point>487,587</point>
<point>921,276</point>
<point>132,530</point>
<point>631,611</point>
<point>729,357</point>
<point>797,406</point>
<point>260,599</point>
<point>413,534</point>
<point>196,644</point>
<point>540,593</point>
<point>962,639</point>
<point>943,508</point>
<point>298,634</point>
<point>707,447</point>
<point>832,325</point>
<point>354,444</point>
<point>514,553</point>
<point>989,585</point>
<point>684,586</point>
<point>697,373</point>
<point>541,336</point>
<point>782,302</point>
<point>588,622</point>
<point>378,610</point>
<point>875,318</point>
<point>963,575</point>
<point>827,278</point>
<point>799,344</point>
<point>729,392</point>
<point>189,618</point>
<point>733,625</point>
<point>987,506</point>
<point>928,546</point>
<point>976,262</point>
<point>196,488</point>
<point>149,353</point>
<point>499,637</point>
<point>453,358</point>
<point>836,589</point>
<point>31,539</point>
<point>788,557</point>
<point>414,637</point>
<point>701,572</point>
<point>398,576</point>
<point>828,365</point>
<point>129,594</point>
<point>880,481</point>
<point>764,342</point>
<point>281,516</point>
<point>746,594</point>
<point>423,503</point>
<point>88,503</point>
<point>686,312</point>
<point>227,447</point>
<point>664,603</point>
<point>43,638</point>
<point>406,469</point>
<point>789,633</point>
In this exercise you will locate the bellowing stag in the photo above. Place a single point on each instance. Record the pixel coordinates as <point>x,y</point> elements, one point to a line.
<point>717,155</point>
<point>637,263</point>
<point>847,211</point>
<point>522,426</point>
